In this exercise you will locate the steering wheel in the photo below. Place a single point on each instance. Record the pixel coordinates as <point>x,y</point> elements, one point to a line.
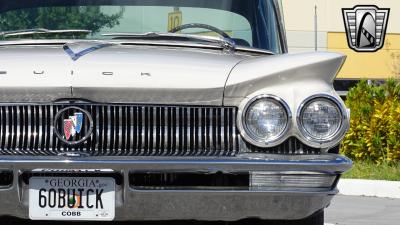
<point>200,25</point>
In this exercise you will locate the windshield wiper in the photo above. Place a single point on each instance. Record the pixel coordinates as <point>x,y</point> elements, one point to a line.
<point>13,33</point>
<point>225,43</point>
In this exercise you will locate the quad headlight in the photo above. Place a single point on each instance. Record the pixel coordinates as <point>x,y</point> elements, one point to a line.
<point>320,119</point>
<point>265,119</point>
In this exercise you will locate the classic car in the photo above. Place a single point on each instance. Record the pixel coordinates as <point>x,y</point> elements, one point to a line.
<point>164,110</point>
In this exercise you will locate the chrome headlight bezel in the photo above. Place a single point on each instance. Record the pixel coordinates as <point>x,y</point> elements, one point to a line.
<point>332,139</point>
<point>246,134</point>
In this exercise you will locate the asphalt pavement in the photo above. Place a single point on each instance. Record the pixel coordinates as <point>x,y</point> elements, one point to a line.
<point>352,210</point>
<point>344,210</point>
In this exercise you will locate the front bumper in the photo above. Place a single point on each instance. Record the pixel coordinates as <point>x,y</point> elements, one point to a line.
<point>227,205</point>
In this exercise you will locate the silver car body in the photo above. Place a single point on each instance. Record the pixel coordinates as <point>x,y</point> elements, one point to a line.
<point>40,72</point>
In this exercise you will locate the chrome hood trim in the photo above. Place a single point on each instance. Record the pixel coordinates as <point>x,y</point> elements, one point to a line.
<point>116,73</point>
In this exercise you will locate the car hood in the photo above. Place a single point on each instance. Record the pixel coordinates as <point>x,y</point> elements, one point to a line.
<point>126,73</point>
<point>115,73</point>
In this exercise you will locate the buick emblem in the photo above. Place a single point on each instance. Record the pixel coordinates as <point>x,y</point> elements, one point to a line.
<point>366,27</point>
<point>73,125</point>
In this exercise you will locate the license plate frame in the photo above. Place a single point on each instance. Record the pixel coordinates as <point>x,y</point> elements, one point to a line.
<point>49,199</point>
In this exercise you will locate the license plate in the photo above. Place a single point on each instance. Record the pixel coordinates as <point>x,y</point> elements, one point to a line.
<point>71,198</point>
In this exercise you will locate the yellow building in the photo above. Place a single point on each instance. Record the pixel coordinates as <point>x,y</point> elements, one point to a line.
<point>300,23</point>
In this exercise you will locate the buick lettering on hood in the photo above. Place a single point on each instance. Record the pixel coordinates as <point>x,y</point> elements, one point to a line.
<point>164,110</point>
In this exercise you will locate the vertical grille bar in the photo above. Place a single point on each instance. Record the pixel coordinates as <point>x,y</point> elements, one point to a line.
<point>6,131</point>
<point>108,128</point>
<point>199,145</point>
<point>176,137</point>
<point>235,144</point>
<point>141,122</point>
<point>51,131</point>
<point>40,127</point>
<point>3,128</point>
<point>12,129</point>
<point>18,143</point>
<point>166,113</point>
<point>209,132</point>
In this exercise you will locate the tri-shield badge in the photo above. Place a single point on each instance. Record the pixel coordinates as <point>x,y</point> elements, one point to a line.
<point>366,27</point>
<point>73,125</point>
<point>71,121</point>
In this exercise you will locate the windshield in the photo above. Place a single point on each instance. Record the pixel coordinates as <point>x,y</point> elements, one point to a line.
<point>250,23</point>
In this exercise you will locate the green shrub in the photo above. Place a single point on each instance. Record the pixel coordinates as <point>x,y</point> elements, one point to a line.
<point>374,133</point>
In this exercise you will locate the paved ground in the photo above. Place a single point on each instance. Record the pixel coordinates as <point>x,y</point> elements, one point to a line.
<point>349,210</point>
<point>345,210</point>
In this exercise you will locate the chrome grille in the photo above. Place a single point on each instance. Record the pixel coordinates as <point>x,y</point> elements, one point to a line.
<point>132,130</point>
<point>123,130</point>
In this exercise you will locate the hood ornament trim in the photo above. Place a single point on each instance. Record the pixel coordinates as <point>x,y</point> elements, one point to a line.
<point>76,55</point>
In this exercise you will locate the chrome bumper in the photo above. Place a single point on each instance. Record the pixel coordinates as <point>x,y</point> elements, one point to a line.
<point>189,204</point>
